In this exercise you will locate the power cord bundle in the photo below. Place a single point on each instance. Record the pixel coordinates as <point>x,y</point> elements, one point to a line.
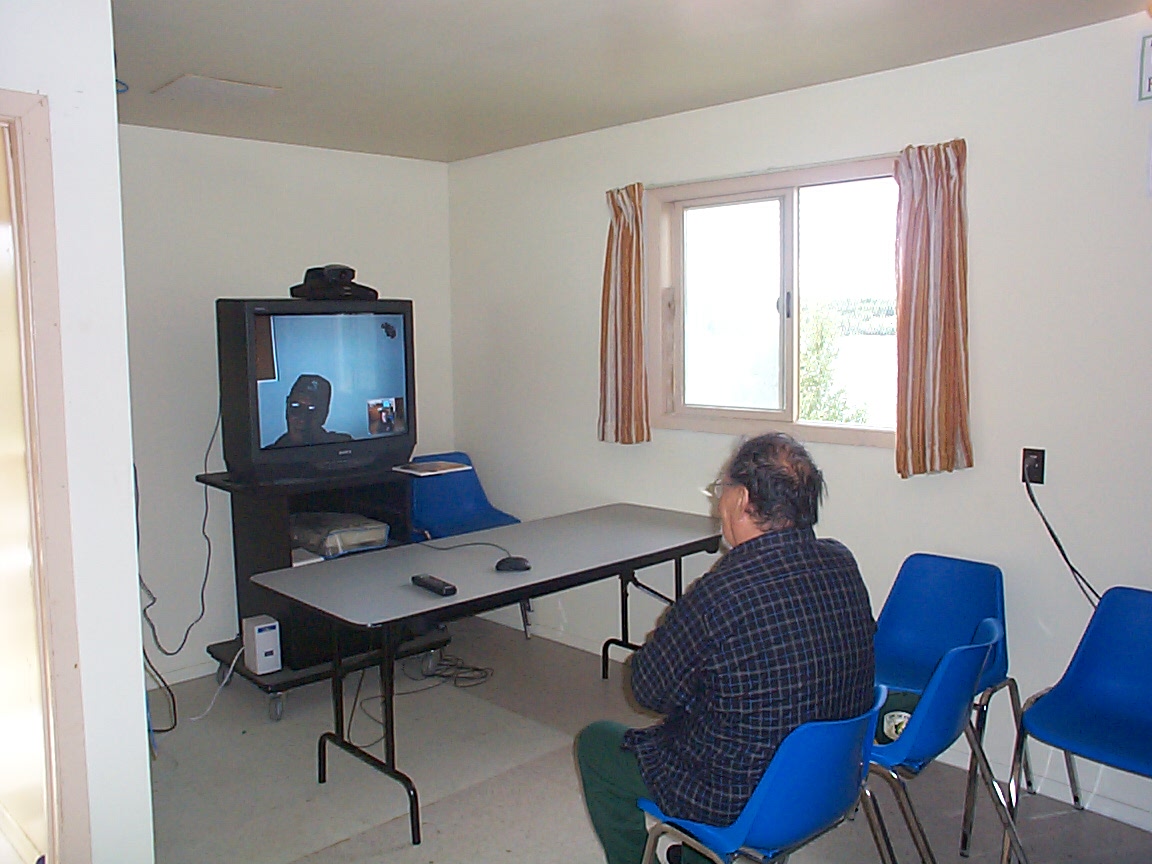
<point>448,669</point>
<point>1090,593</point>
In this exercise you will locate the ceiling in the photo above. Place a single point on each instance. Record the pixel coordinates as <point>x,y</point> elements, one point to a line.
<point>450,79</point>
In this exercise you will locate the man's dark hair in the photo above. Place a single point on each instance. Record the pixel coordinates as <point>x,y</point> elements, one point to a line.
<point>784,485</point>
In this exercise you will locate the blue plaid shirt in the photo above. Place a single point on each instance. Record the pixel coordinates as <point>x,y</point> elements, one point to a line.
<point>777,633</point>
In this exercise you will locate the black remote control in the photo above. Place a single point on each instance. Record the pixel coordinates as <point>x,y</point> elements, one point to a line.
<point>433,584</point>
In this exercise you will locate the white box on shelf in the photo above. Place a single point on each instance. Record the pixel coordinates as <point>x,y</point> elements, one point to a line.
<point>261,644</point>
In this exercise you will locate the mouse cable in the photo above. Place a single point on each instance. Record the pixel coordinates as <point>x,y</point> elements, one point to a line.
<point>152,599</point>
<point>155,673</point>
<point>428,545</point>
<point>1090,593</point>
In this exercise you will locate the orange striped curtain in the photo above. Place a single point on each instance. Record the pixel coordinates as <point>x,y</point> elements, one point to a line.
<point>932,311</point>
<point>623,378</point>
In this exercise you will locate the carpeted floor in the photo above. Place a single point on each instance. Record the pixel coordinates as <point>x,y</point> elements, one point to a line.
<point>496,777</point>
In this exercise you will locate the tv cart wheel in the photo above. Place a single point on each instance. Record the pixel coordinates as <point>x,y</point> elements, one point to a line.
<point>222,675</point>
<point>275,707</point>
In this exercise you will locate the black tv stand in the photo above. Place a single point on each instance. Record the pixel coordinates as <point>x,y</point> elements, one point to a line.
<point>261,541</point>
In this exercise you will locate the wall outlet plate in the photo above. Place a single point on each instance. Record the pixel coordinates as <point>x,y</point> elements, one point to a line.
<point>1032,466</point>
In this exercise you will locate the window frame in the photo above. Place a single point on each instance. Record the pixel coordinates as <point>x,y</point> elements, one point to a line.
<point>664,207</point>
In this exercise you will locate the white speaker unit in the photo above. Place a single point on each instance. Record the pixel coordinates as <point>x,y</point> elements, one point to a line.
<point>262,644</point>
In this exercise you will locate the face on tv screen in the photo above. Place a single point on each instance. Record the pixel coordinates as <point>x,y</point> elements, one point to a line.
<point>323,379</point>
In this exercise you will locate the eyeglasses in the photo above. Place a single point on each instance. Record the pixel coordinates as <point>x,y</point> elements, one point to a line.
<point>716,488</point>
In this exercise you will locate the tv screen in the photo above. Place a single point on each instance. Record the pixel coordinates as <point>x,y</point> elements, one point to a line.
<point>312,386</point>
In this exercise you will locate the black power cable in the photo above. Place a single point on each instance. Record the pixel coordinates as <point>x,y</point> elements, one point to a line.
<point>152,599</point>
<point>1090,593</point>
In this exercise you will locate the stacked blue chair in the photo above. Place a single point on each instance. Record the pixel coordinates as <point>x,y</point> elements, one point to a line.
<point>940,717</point>
<point>936,604</point>
<point>814,780</point>
<point>444,505</point>
<point>1101,708</point>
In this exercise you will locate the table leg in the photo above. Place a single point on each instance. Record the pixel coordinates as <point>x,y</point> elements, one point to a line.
<point>627,577</point>
<point>387,699</point>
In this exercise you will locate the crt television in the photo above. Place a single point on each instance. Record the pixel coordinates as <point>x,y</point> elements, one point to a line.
<point>311,387</point>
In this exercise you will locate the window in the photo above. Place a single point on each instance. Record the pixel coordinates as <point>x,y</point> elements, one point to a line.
<point>773,303</point>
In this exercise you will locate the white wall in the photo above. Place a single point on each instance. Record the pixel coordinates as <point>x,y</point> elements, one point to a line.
<point>1060,220</point>
<point>63,49</point>
<point>208,217</point>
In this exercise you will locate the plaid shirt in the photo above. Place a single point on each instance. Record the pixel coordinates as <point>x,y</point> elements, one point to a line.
<point>777,633</point>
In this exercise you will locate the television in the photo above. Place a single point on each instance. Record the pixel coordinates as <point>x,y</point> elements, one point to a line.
<point>310,388</point>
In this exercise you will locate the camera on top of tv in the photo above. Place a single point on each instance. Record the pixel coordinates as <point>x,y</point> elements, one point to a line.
<point>332,282</point>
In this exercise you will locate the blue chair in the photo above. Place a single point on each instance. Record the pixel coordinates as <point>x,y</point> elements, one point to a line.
<point>444,505</point>
<point>1101,708</point>
<point>814,780</point>
<point>942,714</point>
<point>936,604</point>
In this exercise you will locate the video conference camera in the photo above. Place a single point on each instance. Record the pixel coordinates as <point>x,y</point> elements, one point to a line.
<point>332,282</point>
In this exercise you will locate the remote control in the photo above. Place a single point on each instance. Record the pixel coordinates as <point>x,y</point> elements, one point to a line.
<point>433,584</point>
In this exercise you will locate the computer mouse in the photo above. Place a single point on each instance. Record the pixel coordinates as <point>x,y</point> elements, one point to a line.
<point>513,562</point>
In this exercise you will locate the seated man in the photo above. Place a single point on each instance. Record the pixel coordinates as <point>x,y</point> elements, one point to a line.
<point>777,633</point>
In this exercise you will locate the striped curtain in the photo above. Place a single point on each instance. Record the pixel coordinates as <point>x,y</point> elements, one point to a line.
<point>932,311</point>
<point>623,378</point>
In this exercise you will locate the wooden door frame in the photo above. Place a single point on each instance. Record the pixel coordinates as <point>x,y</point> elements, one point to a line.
<point>38,291</point>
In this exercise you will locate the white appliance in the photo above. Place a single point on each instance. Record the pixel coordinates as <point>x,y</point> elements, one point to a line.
<point>262,644</point>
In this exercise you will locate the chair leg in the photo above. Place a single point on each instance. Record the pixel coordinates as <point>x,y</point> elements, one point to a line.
<point>1018,716</point>
<point>981,720</point>
<point>876,824</point>
<point>994,791</point>
<point>1019,755</point>
<point>980,708</point>
<point>525,608</point>
<point>915,828</point>
<point>1073,781</point>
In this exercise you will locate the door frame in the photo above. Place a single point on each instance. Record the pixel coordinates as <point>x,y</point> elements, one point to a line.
<point>37,285</point>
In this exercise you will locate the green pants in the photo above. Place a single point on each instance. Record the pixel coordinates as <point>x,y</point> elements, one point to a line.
<point>612,785</point>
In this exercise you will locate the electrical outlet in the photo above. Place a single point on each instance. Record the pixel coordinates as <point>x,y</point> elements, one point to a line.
<point>1032,469</point>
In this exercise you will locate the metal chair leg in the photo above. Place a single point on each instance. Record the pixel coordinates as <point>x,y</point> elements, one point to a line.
<point>525,608</point>
<point>876,824</point>
<point>980,707</point>
<point>1073,780</point>
<point>1019,762</point>
<point>995,792</point>
<point>915,828</point>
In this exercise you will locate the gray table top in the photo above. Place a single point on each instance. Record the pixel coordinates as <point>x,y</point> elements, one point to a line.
<point>375,588</point>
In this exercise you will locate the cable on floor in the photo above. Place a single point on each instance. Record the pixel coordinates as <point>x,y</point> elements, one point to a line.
<point>219,687</point>
<point>155,673</point>
<point>449,668</point>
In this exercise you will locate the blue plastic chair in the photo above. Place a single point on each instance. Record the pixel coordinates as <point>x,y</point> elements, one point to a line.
<point>814,780</point>
<point>939,718</point>
<point>444,505</point>
<point>1101,708</point>
<point>936,604</point>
